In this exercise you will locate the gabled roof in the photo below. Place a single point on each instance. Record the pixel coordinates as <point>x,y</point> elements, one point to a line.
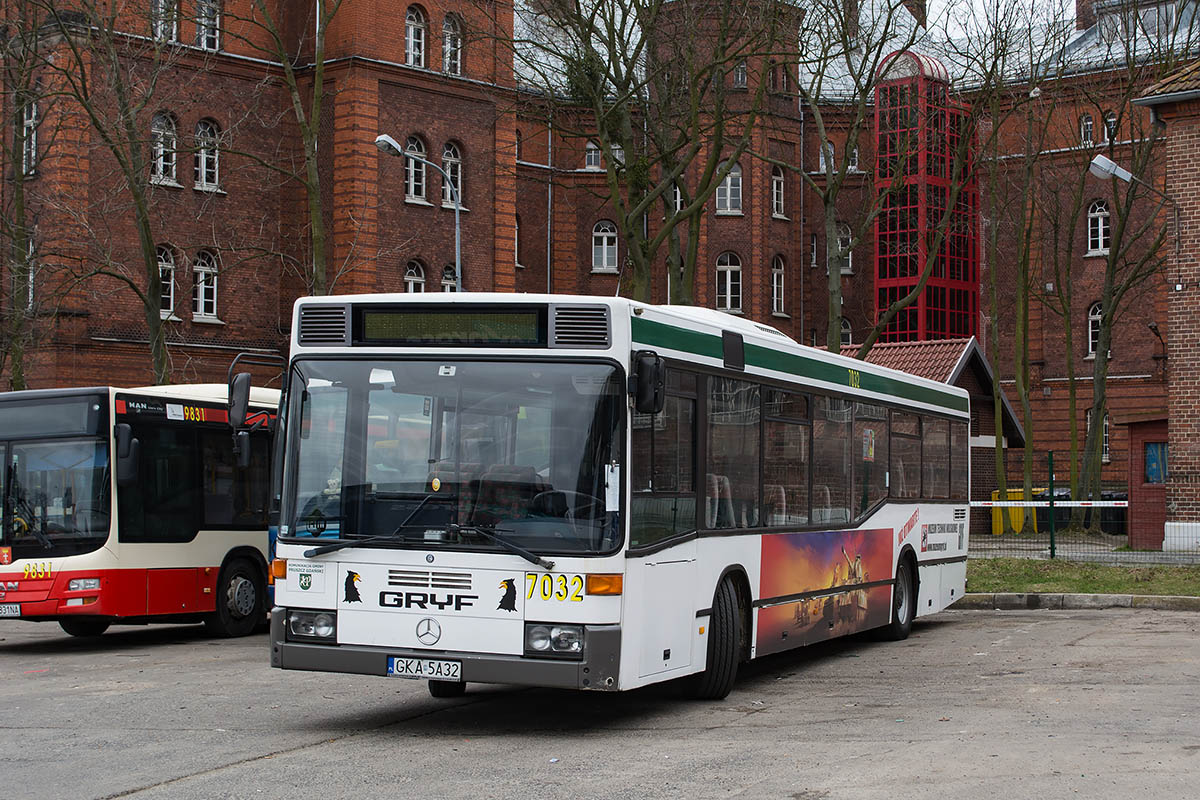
<point>1182,84</point>
<point>944,360</point>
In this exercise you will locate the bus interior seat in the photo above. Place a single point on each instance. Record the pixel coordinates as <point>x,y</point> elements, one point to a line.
<point>821,510</point>
<point>506,491</point>
<point>776,502</point>
<point>464,482</point>
<point>718,512</point>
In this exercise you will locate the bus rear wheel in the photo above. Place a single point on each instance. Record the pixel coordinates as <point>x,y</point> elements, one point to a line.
<point>84,627</point>
<point>241,595</point>
<point>904,603</point>
<point>445,689</point>
<point>724,636</point>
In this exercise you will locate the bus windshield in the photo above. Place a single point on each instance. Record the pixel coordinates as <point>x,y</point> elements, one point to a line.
<point>55,486</point>
<point>441,453</point>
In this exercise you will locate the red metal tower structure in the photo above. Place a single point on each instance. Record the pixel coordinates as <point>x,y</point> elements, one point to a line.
<point>918,130</point>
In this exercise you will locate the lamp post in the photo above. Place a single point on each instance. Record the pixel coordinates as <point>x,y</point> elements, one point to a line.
<point>1105,168</point>
<point>391,147</point>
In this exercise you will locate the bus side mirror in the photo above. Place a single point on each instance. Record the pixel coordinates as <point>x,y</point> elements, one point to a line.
<point>650,374</point>
<point>239,399</point>
<point>128,452</point>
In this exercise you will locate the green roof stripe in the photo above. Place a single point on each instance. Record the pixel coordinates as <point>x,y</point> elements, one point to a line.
<point>705,344</point>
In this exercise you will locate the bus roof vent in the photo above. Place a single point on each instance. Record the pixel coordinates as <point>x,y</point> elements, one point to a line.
<point>323,324</point>
<point>579,326</point>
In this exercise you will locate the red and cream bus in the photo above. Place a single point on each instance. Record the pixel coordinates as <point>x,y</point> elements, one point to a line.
<point>129,506</point>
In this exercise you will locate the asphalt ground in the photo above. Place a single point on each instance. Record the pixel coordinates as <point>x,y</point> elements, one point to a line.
<point>1098,703</point>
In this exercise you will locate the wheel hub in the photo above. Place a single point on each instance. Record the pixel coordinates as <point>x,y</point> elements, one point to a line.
<point>241,596</point>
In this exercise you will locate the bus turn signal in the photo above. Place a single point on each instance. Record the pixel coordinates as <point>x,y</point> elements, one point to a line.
<point>278,569</point>
<point>605,584</point>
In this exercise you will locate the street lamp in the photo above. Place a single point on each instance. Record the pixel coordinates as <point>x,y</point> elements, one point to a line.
<point>1105,168</point>
<point>391,147</point>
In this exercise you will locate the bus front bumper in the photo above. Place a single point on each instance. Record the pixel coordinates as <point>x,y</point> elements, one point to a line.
<point>598,670</point>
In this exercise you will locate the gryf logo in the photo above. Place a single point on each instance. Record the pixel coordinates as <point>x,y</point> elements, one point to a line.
<point>426,600</point>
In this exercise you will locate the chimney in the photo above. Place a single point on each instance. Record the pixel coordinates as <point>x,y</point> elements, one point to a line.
<point>1085,17</point>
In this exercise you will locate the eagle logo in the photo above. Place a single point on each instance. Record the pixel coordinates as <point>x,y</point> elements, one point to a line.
<point>352,595</point>
<point>509,601</point>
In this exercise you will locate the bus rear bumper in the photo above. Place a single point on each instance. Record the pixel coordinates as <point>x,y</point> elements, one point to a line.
<point>597,671</point>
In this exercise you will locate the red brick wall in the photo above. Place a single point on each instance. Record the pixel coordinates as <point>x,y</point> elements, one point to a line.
<point>1147,511</point>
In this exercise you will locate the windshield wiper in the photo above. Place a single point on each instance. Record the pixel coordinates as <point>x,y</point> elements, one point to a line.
<point>382,537</point>
<point>490,533</point>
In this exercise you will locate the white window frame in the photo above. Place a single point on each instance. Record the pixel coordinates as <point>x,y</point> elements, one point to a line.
<point>729,282</point>
<point>204,286</point>
<point>517,240</point>
<point>847,333</point>
<point>29,128</point>
<point>778,206</point>
<point>729,192</point>
<point>414,37</point>
<point>166,276</point>
<point>208,166</point>
<point>414,277</point>
<point>1095,318</point>
<point>164,145</point>
<point>604,247</point>
<point>414,171</point>
<point>1099,229</point>
<point>845,251</point>
<point>593,159</point>
<point>825,157</point>
<point>30,274</point>
<point>739,75</point>
<point>208,25</point>
<point>852,163</point>
<point>1105,455</point>
<point>164,20</point>
<point>677,197</point>
<point>1087,135</point>
<point>778,306</point>
<point>813,263</point>
<point>449,279</point>
<point>1108,126</point>
<point>452,163</point>
<point>452,45</point>
<point>618,155</point>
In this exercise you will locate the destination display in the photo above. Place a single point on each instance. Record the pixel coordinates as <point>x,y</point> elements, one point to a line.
<point>515,327</point>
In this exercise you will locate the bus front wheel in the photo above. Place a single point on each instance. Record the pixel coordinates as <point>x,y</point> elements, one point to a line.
<point>904,603</point>
<point>84,627</point>
<point>724,635</point>
<point>241,595</point>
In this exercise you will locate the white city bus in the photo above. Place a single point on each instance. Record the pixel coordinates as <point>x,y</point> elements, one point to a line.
<point>128,506</point>
<point>595,493</point>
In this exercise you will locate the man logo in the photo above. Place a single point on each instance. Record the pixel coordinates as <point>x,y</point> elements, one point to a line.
<point>352,595</point>
<point>428,632</point>
<point>306,582</point>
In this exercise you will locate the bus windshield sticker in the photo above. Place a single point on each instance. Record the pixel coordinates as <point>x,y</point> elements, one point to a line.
<point>175,411</point>
<point>612,486</point>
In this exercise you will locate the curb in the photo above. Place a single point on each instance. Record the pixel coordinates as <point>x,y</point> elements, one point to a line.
<point>1010,601</point>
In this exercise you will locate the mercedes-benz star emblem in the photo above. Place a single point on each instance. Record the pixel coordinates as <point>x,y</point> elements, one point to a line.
<point>428,632</point>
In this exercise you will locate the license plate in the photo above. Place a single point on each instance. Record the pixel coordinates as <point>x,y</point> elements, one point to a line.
<point>424,668</point>
<point>10,609</point>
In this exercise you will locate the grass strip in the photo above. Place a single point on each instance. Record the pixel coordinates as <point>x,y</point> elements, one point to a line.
<point>1032,575</point>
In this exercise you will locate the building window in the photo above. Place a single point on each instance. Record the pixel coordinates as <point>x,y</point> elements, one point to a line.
<point>604,247</point>
<point>729,192</point>
<point>812,251</point>
<point>29,147</point>
<point>777,306</point>
<point>739,75</point>
<point>729,282</point>
<point>208,24</point>
<point>777,208</point>
<point>204,285</point>
<point>452,163</point>
<point>166,277</point>
<point>414,26</point>
<point>207,172</point>
<point>517,240</point>
<point>591,156</point>
<point>847,333</point>
<point>1156,462</point>
<point>852,164</point>
<point>1110,126</point>
<point>30,274</point>
<point>826,160</point>
<point>845,239</point>
<point>164,20</point>
<point>1105,456</point>
<point>414,170</point>
<point>414,277</point>
<point>452,46</point>
<point>162,148</point>
<point>618,155</point>
<point>1099,228</point>
<point>1095,317</point>
<point>449,279</point>
<point>1085,130</point>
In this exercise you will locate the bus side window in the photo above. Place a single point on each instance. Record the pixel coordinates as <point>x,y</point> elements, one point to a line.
<point>662,466</point>
<point>165,505</point>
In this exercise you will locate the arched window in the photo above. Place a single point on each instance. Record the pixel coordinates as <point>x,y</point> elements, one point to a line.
<point>452,45</point>
<point>204,285</point>
<point>449,279</point>
<point>1095,317</point>
<point>852,162</point>
<point>847,332</point>
<point>729,282</point>
<point>452,163</point>
<point>729,192</point>
<point>1085,129</point>
<point>845,239</point>
<point>29,129</point>
<point>414,170</point>
<point>1105,456</point>
<point>208,24</point>
<point>1099,228</point>
<point>162,147</point>
<point>826,159</point>
<point>592,158</point>
<point>207,172</point>
<point>414,277</point>
<point>777,206</point>
<point>166,276</point>
<point>1110,126</point>
<point>604,247</point>
<point>777,305</point>
<point>739,75</point>
<point>414,27</point>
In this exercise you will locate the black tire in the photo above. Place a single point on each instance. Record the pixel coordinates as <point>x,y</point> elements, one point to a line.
<point>241,600</point>
<point>724,641</point>
<point>445,689</point>
<point>904,603</point>
<point>84,626</point>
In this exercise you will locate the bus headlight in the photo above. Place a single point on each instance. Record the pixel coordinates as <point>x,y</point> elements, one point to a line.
<point>83,584</point>
<point>553,640</point>
<point>312,625</point>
